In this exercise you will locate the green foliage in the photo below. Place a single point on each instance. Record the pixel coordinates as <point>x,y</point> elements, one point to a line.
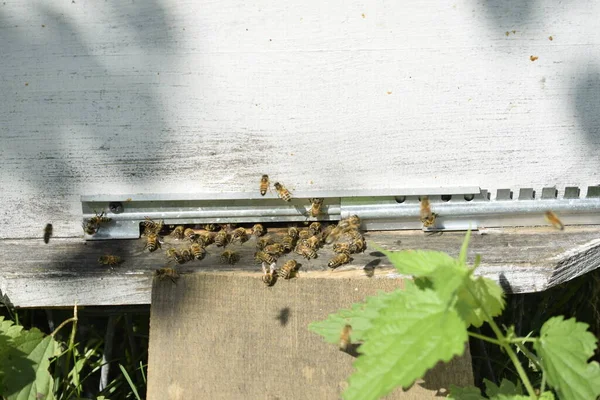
<point>564,348</point>
<point>404,333</point>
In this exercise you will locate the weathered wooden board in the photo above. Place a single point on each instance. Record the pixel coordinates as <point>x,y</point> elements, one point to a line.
<point>66,271</point>
<point>192,96</point>
<point>227,337</point>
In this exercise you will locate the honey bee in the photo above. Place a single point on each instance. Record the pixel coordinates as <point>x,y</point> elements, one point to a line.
<point>264,242</point>
<point>313,242</point>
<point>178,232</point>
<point>186,254</point>
<point>427,217</point>
<point>198,251</point>
<point>326,232</point>
<point>304,234</point>
<point>341,248</point>
<point>358,245</point>
<point>305,251</point>
<point>99,219</point>
<point>315,207</point>
<point>89,229</point>
<point>264,184</point>
<point>287,242</point>
<point>164,273</point>
<point>288,270</point>
<point>293,232</point>
<point>270,275</point>
<point>151,226</point>
<point>210,227</point>
<point>274,249</point>
<point>110,260</point>
<point>47,233</point>
<point>152,242</point>
<point>174,254</point>
<point>552,218</point>
<point>345,337</point>
<point>205,238</point>
<point>283,192</point>
<point>314,228</point>
<point>258,230</point>
<point>229,257</point>
<point>221,238</point>
<point>239,235</point>
<point>190,234</point>
<point>261,256</point>
<point>340,259</point>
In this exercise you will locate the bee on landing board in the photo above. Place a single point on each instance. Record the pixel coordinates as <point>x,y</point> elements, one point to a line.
<point>93,224</point>
<point>345,338</point>
<point>274,249</point>
<point>315,207</point>
<point>239,235</point>
<point>152,242</point>
<point>47,233</point>
<point>151,226</point>
<point>305,251</point>
<point>269,275</point>
<point>341,248</point>
<point>222,238</point>
<point>293,232</point>
<point>264,184</point>
<point>190,234</point>
<point>283,193</point>
<point>186,254</point>
<point>110,260</point>
<point>554,221</point>
<point>314,228</point>
<point>175,256</point>
<point>229,257</point>
<point>264,242</point>
<point>427,217</point>
<point>178,232</point>
<point>258,230</point>
<point>287,242</point>
<point>164,273</point>
<point>205,238</point>
<point>261,256</point>
<point>210,227</point>
<point>288,270</point>
<point>198,251</point>
<point>339,259</point>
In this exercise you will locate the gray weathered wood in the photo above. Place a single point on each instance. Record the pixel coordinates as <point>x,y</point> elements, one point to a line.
<point>66,270</point>
<point>190,96</point>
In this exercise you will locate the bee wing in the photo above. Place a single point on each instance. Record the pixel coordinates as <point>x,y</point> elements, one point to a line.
<point>264,267</point>
<point>272,267</point>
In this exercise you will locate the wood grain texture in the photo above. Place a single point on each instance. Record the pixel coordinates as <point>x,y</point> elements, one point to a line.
<point>186,96</point>
<point>252,342</point>
<point>66,271</point>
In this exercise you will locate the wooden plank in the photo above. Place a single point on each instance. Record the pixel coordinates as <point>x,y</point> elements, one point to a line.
<point>187,96</point>
<point>66,271</point>
<point>252,342</point>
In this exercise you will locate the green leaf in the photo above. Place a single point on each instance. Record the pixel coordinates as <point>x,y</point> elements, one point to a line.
<point>480,300</point>
<point>43,385</point>
<point>413,332</point>
<point>462,257</point>
<point>510,397</point>
<point>359,317</point>
<point>419,262</point>
<point>447,280</point>
<point>131,385</point>
<point>466,393</point>
<point>8,328</point>
<point>546,396</point>
<point>564,348</point>
<point>506,387</point>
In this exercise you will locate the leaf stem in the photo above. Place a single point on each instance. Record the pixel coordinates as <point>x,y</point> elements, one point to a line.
<point>65,322</point>
<point>484,338</point>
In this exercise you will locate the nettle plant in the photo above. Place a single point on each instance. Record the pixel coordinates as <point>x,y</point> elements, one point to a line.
<point>404,333</point>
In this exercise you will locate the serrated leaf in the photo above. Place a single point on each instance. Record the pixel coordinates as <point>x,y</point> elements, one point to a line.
<point>475,294</point>
<point>8,328</point>
<point>506,387</point>
<point>564,347</point>
<point>448,279</point>
<point>510,397</point>
<point>466,393</point>
<point>413,332</point>
<point>462,257</point>
<point>418,262</point>
<point>359,317</point>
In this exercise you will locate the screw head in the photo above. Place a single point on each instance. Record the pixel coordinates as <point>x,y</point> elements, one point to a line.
<point>115,207</point>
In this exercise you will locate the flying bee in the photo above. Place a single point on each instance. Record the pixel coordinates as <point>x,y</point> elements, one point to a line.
<point>164,273</point>
<point>274,249</point>
<point>110,260</point>
<point>293,232</point>
<point>47,233</point>
<point>270,275</point>
<point>341,247</point>
<point>186,254</point>
<point>287,242</point>
<point>190,234</point>
<point>264,242</point>
<point>152,242</point>
<point>305,251</point>
<point>178,232</point>
<point>427,217</point>
<point>288,270</point>
<point>205,238</point>
<point>222,238</point>
<point>198,251</point>
<point>314,228</point>
<point>175,255</point>
<point>210,227</point>
<point>554,221</point>
<point>283,192</point>
<point>151,226</point>
<point>229,257</point>
<point>264,184</point>
<point>315,207</point>
<point>239,235</point>
<point>258,230</point>
<point>304,234</point>
<point>339,259</point>
<point>261,256</point>
<point>345,341</point>
<point>313,242</point>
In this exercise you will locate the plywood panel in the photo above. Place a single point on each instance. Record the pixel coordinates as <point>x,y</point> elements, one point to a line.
<point>227,337</point>
<point>169,96</point>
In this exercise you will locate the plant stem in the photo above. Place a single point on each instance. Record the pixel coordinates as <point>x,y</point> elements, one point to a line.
<point>66,321</point>
<point>529,355</point>
<point>484,338</point>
